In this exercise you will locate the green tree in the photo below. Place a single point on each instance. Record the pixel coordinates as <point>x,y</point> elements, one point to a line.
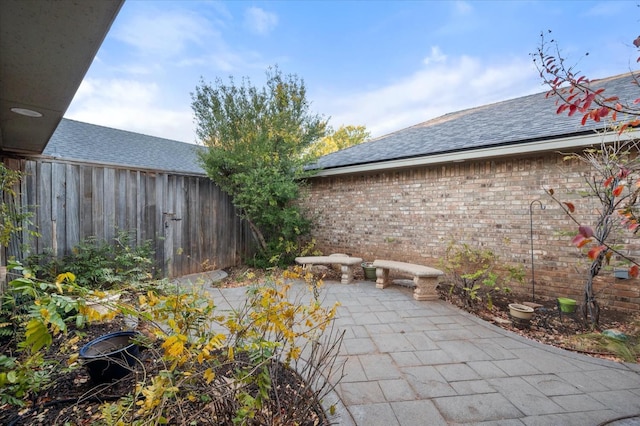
<point>258,141</point>
<point>342,138</point>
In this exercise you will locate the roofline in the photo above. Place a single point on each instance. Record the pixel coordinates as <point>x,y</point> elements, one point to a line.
<point>542,145</point>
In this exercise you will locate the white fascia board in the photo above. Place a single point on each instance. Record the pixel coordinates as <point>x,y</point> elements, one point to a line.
<point>547,145</point>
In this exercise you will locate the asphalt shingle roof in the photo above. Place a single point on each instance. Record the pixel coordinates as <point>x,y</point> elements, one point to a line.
<point>514,121</point>
<point>74,140</point>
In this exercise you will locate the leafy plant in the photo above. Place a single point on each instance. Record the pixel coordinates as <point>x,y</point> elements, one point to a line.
<point>576,93</point>
<point>475,274</point>
<point>13,218</point>
<point>233,360</point>
<point>258,142</point>
<point>99,264</point>
<point>35,311</point>
<point>19,379</point>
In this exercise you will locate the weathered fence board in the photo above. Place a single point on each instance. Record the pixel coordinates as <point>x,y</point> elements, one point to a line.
<point>191,223</point>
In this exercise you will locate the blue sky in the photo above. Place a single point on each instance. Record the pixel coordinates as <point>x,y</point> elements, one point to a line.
<point>383,64</point>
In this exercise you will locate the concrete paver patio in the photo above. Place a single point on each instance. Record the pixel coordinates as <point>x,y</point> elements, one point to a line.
<point>411,362</point>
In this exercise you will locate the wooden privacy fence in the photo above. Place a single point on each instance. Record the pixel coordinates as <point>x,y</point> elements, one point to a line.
<point>191,222</point>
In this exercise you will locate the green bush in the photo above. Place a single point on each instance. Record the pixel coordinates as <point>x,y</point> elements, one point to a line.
<point>475,274</point>
<point>99,264</point>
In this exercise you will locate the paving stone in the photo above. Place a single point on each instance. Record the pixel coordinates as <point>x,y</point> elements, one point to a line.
<point>376,329</point>
<point>358,309</point>
<point>619,400</point>
<point>516,367</point>
<point>358,346</point>
<point>353,371</point>
<point>588,418</point>
<point>397,390</point>
<point>401,327</point>
<point>483,332</point>
<point>360,393</point>
<point>440,320</point>
<point>364,318</point>
<point>467,320</point>
<point>494,351</point>
<point>434,357</point>
<point>551,385</point>
<point>342,321</point>
<point>395,305</point>
<point>487,369</point>
<point>616,379</point>
<point>524,396</point>
<point>507,422</point>
<point>583,381</point>
<point>548,362</point>
<point>356,332</point>
<point>421,323</point>
<point>372,302</point>
<point>456,372</point>
<point>405,359</point>
<point>416,312</point>
<point>420,341</point>
<point>445,365</point>
<point>463,351</point>
<point>512,342</point>
<point>387,343</point>
<point>454,333</point>
<point>374,415</point>
<point>578,402</point>
<point>387,317</point>
<point>379,367</point>
<point>427,382</point>
<point>476,408</point>
<point>472,387</point>
<point>417,413</point>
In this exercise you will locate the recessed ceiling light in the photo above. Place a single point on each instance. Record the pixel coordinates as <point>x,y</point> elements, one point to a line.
<point>27,112</point>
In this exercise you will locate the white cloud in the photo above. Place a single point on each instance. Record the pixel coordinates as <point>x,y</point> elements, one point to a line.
<point>130,105</point>
<point>437,88</point>
<point>436,56</point>
<point>166,33</point>
<point>259,21</point>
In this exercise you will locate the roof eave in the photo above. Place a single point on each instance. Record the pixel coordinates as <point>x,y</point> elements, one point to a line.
<point>119,166</point>
<point>539,146</point>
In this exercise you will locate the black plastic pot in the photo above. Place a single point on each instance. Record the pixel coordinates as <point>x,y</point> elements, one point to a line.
<point>110,357</point>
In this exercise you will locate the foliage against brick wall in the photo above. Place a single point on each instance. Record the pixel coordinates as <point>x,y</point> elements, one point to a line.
<point>411,215</point>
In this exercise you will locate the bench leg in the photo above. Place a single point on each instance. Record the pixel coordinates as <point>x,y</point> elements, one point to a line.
<point>347,274</point>
<point>425,288</point>
<point>382,278</point>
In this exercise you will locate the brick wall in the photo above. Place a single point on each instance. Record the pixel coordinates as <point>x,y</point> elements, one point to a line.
<point>412,214</point>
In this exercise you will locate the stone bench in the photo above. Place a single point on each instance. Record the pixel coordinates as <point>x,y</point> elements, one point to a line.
<point>424,277</point>
<point>346,264</point>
